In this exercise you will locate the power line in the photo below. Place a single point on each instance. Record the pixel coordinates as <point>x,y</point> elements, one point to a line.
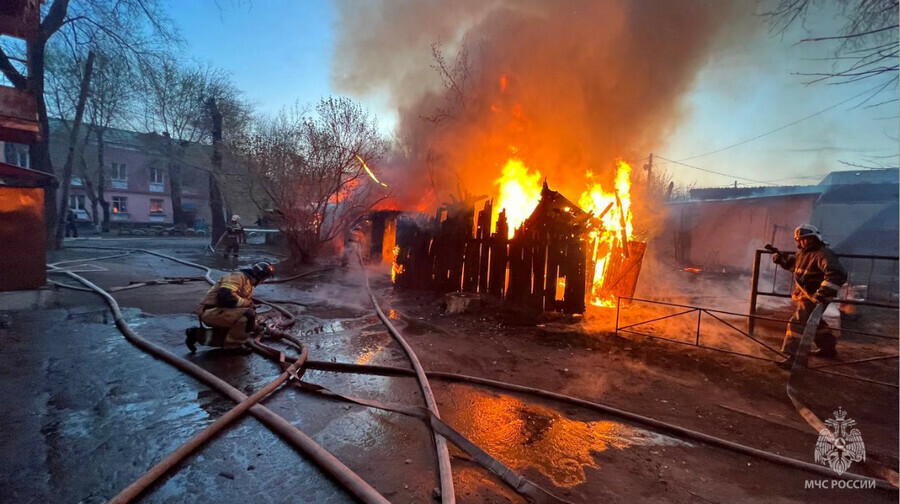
<point>715,172</point>
<point>776,130</point>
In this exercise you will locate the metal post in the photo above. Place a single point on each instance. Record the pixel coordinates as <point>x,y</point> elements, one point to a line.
<point>618,306</point>
<point>754,290</point>
<point>699,316</point>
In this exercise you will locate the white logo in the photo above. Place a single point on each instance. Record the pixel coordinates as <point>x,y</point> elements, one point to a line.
<point>839,449</point>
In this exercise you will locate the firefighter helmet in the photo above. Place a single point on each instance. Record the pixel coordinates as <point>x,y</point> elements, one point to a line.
<point>807,231</point>
<point>259,271</point>
<point>235,218</point>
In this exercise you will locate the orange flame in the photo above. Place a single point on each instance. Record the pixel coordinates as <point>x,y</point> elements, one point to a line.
<point>396,269</point>
<point>613,228</point>
<point>503,83</point>
<point>518,192</point>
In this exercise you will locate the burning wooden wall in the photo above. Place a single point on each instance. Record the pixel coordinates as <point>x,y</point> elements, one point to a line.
<point>546,265</point>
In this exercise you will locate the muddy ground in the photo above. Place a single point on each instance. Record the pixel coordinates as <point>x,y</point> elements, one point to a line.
<point>87,412</point>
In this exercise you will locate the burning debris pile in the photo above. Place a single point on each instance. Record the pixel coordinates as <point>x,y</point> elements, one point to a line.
<point>545,252</point>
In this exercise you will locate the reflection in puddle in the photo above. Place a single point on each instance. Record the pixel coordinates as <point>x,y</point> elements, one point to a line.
<point>530,435</point>
<point>367,355</point>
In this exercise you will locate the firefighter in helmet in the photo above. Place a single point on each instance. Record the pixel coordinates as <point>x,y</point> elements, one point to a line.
<point>234,236</point>
<point>818,274</point>
<point>228,310</point>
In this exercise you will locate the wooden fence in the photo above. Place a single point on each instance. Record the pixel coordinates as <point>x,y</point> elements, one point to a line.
<point>544,266</point>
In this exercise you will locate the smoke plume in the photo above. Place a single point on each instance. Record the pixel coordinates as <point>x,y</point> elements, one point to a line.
<point>566,86</point>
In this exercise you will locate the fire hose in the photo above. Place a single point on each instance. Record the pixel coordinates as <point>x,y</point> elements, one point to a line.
<point>328,462</point>
<point>448,494</point>
<point>293,371</point>
<point>652,423</point>
<point>800,362</point>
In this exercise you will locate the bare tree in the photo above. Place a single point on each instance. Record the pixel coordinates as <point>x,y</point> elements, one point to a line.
<point>83,90</point>
<point>310,167</point>
<point>456,77</point>
<point>866,46</point>
<point>131,24</point>
<point>110,102</point>
<point>176,102</point>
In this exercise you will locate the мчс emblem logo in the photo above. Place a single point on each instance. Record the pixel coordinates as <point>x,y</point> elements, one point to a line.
<point>839,448</point>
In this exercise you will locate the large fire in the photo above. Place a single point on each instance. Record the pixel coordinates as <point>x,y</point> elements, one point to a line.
<point>519,190</point>
<point>613,231</point>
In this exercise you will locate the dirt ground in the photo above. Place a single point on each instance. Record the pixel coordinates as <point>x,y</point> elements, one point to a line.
<point>90,412</point>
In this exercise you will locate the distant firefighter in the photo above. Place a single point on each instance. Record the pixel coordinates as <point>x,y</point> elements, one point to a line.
<point>228,310</point>
<point>234,236</point>
<point>353,247</point>
<point>818,274</point>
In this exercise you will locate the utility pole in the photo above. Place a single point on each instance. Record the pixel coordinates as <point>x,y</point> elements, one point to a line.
<point>649,168</point>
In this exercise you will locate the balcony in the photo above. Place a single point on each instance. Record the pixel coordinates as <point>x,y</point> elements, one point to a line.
<point>120,217</point>
<point>157,187</point>
<point>118,184</point>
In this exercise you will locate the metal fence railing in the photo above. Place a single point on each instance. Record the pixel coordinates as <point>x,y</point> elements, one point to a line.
<point>872,280</point>
<point>743,337</point>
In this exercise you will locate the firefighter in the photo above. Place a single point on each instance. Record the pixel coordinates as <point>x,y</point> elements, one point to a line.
<point>228,310</point>
<point>817,277</point>
<point>353,247</point>
<point>71,224</point>
<point>234,236</point>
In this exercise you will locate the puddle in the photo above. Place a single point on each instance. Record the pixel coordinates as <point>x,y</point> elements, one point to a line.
<point>524,435</point>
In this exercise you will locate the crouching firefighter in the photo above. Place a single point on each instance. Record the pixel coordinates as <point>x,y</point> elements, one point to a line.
<point>817,277</point>
<point>228,310</point>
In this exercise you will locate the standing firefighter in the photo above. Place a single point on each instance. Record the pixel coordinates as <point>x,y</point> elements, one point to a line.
<point>353,248</point>
<point>234,236</point>
<point>228,309</point>
<point>817,277</point>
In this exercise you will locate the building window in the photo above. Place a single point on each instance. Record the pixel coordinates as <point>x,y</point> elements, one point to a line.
<point>119,204</point>
<point>156,176</point>
<point>76,201</point>
<point>16,154</point>
<point>118,171</point>
<point>156,206</point>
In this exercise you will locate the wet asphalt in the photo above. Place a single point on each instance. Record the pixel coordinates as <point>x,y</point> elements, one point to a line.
<point>87,413</point>
<point>91,413</point>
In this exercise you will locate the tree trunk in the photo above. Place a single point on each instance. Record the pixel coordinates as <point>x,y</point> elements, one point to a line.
<point>217,216</point>
<point>39,153</point>
<point>86,179</point>
<point>101,180</point>
<point>70,157</point>
<point>174,170</point>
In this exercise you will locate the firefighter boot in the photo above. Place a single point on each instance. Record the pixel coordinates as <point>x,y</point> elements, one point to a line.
<point>827,344</point>
<point>207,336</point>
<point>190,338</point>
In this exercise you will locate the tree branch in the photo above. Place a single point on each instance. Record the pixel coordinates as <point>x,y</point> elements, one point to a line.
<point>54,19</point>
<point>9,71</point>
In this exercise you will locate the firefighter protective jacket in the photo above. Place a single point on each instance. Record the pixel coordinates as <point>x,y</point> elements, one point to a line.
<point>818,274</point>
<point>233,291</point>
